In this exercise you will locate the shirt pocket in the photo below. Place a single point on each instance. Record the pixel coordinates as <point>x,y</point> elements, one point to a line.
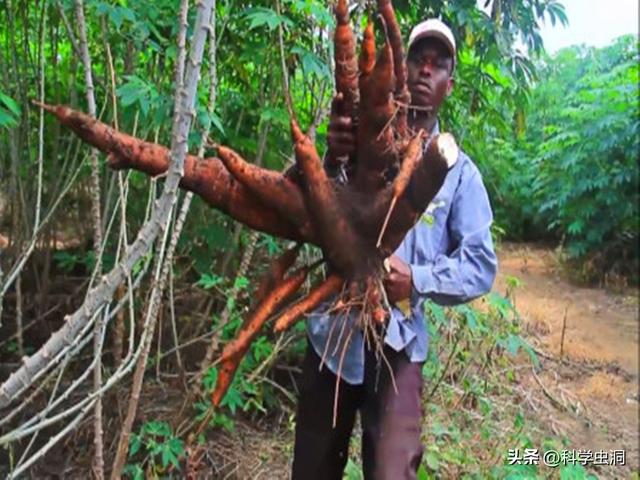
<point>429,230</point>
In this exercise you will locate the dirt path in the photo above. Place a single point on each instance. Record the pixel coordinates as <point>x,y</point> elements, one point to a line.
<point>598,376</point>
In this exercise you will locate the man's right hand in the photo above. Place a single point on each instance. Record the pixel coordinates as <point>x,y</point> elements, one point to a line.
<point>341,138</point>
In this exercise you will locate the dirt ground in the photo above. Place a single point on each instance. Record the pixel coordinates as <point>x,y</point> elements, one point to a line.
<point>595,382</point>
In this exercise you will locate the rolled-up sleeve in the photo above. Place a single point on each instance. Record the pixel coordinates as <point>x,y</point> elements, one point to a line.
<point>469,267</point>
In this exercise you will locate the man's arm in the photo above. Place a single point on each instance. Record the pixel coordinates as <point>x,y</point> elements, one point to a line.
<point>469,269</point>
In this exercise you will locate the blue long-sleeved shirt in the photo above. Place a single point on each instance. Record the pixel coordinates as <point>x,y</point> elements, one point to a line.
<point>452,261</point>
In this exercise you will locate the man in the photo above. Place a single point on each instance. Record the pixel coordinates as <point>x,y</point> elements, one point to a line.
<point>448,257</point>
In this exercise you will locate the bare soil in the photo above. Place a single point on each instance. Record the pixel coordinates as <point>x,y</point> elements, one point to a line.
<point>593,372</point>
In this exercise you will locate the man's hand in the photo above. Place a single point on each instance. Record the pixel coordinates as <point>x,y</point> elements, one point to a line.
<point>341,139</point>
<point>397,282</point>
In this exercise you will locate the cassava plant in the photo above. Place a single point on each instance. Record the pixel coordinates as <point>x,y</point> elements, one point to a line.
<point>356,209</point>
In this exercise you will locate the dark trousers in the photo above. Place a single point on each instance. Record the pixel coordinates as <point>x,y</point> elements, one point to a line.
<point>391,447</point>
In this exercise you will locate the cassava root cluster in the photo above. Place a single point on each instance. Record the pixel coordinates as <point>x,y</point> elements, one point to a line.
<point>357,209</point>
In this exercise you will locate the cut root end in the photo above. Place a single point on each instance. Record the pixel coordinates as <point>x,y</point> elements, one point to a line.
<point>448,148</point>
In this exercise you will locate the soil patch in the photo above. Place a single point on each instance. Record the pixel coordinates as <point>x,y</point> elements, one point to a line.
<point>593,371</point>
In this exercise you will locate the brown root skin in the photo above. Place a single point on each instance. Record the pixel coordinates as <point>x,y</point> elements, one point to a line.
<point>110,141</point>
<point>373,302</point>
<point>346,77</point>
<point>367,58</point>
<point>207,178</point>
<point>272,188</point>
<point>376,149</point>
<point>377,87</point>
<point>425,182</point>
<point>235,350</point>
<point>339,241</point>
<point>395,39</point>
<point>401,91</point>
<point>346,73</point>
<point>410,162</point>
<point>331,285</point>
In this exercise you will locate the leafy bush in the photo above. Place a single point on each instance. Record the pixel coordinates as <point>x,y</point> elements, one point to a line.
<point>586,152</point>
<point>566,166</point>
<point>160,448</point>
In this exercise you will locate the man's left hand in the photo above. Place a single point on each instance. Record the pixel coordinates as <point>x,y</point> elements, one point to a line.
<point>397,282</point>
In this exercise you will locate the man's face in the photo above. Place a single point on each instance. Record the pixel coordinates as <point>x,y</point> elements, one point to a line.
<point>429,67</point>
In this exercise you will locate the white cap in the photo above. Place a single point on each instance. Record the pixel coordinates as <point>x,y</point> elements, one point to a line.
<point>436,29</point>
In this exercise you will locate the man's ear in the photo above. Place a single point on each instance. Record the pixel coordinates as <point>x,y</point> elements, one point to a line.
<point>450,83</point>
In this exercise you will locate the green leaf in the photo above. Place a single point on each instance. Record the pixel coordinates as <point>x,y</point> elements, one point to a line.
<point>222,420</point>
<point>436,312</point>
<point>11,104</point>
<point>275,115</point>
<point>137,91</point>
<point>9,111</point>
<point>66,261</point>
<point>422,473</point>
<point>312,64</point>
<point>210,379</point>
<point>134,445</point>
<point>261,16</point>
<point>134,471</point>
<point>240,283</point>
<point>176,448</point>
<point>115,15</point>
<point>209,280</point>
<point>231,303</point>
<point>513,344</point>
<point>352,471</point>
<point>7,120</point>
<point>470,318</point>
<point>533,356</point>
<point>158,428</point>
<point>168,457</point>
<point>518,421</point>
<point>261,348</point>
<point>270,243</point>
<point>433,461</point>
<point>128,14</point>
<point>217,122</point>
<point>232,400</point>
